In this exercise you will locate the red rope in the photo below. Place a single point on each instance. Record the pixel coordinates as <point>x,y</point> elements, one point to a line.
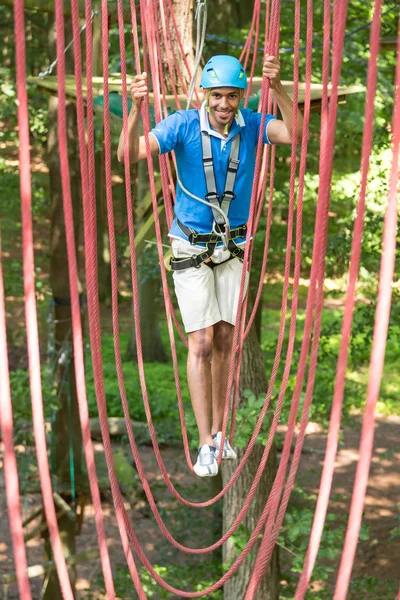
<point>245,53</point>
<point>168,49</point>
<point>172,589</point>
<point>30,307</point>
<point>10,462</point>
<point>327,143</point>
<point>242,300</point>
<point>257,14</point>
<point>274,509</point>
<point>148,415</point>
<point>288,255</point>
<point>377,353</point>
<point>182,50</point>
<point>76,321</point>
<point>89,211</point>
<point>334,425</point>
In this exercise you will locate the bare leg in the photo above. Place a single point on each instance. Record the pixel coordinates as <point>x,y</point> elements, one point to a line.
<point>221,355</point>
<point>199,380</point>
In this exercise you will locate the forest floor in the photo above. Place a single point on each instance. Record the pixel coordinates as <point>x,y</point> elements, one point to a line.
<point>376,570</point>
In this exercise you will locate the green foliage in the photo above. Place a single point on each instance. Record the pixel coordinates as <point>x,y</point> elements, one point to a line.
<point>294,538</point>
<point>246,418</point>
<point>21,403</point>
<point>357,372</point>
<point>184,576</point>
<point>344,195</point>
<point>376,588</point>
<point>160,387</point>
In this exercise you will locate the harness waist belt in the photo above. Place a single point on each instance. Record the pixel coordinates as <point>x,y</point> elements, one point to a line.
<point>211,239</point>
<point>206,238</point>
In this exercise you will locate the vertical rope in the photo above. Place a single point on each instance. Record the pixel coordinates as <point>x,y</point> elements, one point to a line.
<point>327,142</point>
<point>30,306</point>
<point>334,425</point>
<point>89,213</point>
<point>10,462</point>
<point>377,354</point>
<point>76,318</point>
<point>257,13</point>
<point>242,297</point>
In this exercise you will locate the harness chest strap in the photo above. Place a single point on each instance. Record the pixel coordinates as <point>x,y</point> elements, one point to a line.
<point>212,197</point>
<point>208,166</point>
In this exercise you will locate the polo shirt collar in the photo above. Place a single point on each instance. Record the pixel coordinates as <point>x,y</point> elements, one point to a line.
<point>205,123</point>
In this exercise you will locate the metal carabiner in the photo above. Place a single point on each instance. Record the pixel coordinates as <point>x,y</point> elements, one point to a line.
<point>224,235</point>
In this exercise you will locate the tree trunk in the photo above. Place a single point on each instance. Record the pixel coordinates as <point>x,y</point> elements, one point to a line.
<point>103,241</point>
<point>149,304</point>
<point>183,11</point>
<point>66,427</point>
<point>252,378</point>
<point>149,294</point>
<point>224,14</point>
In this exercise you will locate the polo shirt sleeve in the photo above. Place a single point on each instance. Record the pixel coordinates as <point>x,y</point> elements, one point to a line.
<point>256,118</point>
<point>170,131</point>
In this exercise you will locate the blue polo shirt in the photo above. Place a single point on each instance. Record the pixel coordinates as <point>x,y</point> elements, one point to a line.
<point>181,132</point>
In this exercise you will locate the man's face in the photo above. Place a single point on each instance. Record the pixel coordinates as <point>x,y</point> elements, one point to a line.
<point>223,104</point>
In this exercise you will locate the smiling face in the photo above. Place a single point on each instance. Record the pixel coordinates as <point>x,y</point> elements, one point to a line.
<point>223,104</point>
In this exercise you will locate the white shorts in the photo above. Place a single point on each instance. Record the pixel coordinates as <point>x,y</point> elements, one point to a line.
<point>205,295</point>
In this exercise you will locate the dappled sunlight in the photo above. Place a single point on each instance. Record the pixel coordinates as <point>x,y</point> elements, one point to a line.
<point>82,584</point>
<point>346,458</point>
<point>34,543</point>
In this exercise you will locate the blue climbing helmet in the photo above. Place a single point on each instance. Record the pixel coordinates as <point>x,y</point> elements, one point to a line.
<point>223,71</point>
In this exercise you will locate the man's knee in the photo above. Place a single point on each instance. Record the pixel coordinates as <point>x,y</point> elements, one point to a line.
<point>201,343</point>
<point>223,336</point>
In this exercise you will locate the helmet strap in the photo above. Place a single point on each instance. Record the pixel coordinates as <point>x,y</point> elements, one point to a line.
<point>208,92</point>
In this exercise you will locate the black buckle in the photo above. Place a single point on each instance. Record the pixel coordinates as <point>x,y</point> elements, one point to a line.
<point>193,237</point>
<point>220,228</point>
<point>239,231</point>
<point>212,195</point>
<point>229,195</point>
<point>193,261</point>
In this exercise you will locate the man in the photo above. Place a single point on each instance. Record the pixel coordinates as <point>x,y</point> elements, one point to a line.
<point>215,151</point>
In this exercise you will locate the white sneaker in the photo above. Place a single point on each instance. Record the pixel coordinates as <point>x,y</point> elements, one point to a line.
<point>228,452</point>
<point>206,464</point>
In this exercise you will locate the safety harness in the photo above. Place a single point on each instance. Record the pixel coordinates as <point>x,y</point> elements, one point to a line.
<point>219,209</point>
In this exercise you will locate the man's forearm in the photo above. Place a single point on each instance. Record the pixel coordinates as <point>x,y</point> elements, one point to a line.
<point>285,105</point>
<point>133,136</point>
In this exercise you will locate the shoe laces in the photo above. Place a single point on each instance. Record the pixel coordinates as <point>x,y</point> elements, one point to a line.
<point>217,441</point>
<point>206,458</point>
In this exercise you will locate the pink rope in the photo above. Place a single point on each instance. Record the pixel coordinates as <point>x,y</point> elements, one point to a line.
<point>334,426</point>
<point>377,355</point>
<point>288,247</point>
<point>327,143</point>
<point>10,462</point>
<point>75,306</point>
<point>257,13</point>
<point>182,50</point>
<point>267,518</point>
<point>247,255</point>
<point>30,307</point>
<point>89,211</point>
<point>148,415</point>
